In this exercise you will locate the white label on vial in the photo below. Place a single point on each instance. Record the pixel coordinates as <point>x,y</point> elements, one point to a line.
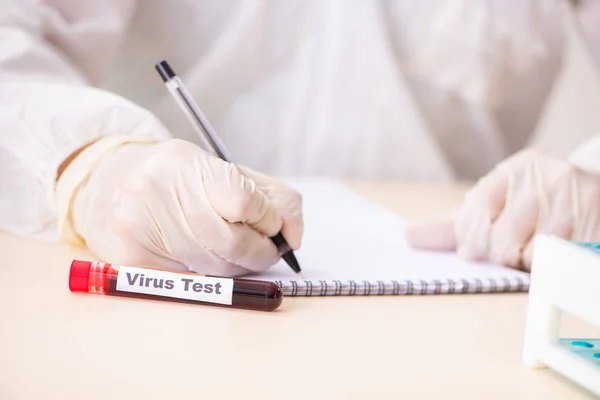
<point>176,285</point>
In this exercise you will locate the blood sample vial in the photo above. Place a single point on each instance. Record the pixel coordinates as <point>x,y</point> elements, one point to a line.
<point>184,287</point>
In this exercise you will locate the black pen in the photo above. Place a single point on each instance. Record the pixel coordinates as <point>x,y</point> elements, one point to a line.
<point>191,109</point>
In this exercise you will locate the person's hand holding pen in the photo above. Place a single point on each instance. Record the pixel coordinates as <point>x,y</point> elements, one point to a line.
<point>172,205</point>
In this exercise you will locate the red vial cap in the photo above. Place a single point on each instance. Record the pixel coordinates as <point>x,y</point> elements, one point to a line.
<point>79,276</point>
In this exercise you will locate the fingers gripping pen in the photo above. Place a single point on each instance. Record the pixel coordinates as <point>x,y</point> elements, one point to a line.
<point>212,141</point>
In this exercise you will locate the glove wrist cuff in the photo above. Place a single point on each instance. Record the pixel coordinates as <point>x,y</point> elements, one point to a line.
<point>75,173</point>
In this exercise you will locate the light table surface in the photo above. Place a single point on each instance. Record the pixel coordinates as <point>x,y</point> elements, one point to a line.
<point>59,345</point>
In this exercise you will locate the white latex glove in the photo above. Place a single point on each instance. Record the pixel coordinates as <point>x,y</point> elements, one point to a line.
<point>527,194</point>
<point>172,205</point>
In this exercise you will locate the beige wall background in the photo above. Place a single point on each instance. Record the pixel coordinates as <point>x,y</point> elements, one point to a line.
<point>573,111</point>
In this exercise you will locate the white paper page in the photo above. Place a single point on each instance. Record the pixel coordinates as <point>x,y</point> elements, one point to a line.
<point>350,238</point>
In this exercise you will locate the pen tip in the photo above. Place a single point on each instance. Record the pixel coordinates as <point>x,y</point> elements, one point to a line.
<point>290,258</point>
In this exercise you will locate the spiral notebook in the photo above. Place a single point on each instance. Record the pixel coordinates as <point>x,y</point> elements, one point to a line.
<point>352,246</point>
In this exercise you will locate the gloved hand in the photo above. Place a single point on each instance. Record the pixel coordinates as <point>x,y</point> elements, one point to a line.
<point>172,205</point>
<point>527,194</point>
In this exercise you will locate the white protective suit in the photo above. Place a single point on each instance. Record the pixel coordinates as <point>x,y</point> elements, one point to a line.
<point>360,89</point>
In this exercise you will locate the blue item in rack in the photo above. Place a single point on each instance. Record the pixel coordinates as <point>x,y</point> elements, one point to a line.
<point>586,348</point>
<point>595,247</point>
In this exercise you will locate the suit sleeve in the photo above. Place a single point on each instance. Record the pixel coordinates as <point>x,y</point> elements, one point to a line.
<point>53,55</point>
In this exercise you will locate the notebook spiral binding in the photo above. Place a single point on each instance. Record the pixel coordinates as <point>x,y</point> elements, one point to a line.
<point>404,287</point>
